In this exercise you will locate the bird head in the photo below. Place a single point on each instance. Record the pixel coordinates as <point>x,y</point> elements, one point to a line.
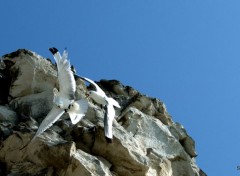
<point>89,93</point>
<point>74,106</point>
<point>59,103</point>
<point>60,106</point>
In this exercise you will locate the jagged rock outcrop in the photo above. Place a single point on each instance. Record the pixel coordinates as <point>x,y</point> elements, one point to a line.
<point>146,140</point>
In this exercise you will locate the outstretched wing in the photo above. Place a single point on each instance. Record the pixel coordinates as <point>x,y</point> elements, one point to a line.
<point>98,89</point>
<point>108,120</point>
<point>67,84</point>
<point>51,118</point>
<point>113,102</point>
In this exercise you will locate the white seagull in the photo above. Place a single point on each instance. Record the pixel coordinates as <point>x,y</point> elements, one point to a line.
<point>64,99</point>
<point>100,97</point>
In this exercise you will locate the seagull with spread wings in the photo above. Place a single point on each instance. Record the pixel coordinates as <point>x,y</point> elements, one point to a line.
<point>109,103</point>
<point>64,99</point>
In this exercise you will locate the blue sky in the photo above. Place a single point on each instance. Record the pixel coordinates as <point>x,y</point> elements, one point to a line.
<point>186,53</point>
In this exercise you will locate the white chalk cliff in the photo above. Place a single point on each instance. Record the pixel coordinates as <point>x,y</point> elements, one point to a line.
<point>146,142</point>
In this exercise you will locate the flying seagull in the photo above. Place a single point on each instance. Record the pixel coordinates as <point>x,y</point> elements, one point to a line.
<point>64,99</point>
<point>100,97</point>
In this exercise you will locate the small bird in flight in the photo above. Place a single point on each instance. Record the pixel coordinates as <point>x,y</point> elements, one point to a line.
<point>101,98</point>
<point>64,98</point>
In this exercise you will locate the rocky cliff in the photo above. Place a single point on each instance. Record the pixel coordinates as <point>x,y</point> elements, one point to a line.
<point>146,140</point>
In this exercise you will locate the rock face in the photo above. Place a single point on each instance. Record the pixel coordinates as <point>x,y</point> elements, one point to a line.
<point>146,140</point>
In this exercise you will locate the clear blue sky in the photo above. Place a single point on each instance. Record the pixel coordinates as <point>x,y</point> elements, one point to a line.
<point>186,53</point>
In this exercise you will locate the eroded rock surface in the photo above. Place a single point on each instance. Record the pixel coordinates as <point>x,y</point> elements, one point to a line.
<point>146,140</point>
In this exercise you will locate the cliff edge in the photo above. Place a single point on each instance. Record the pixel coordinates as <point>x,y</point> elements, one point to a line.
<point>147,142</point>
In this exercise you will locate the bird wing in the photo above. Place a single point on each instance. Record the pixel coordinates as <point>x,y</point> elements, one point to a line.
<point>98,89</point>
<point>51,118</point>
<point>67,84</point>
<point>77,115</point>
<point>83,105</point>
<point>113,102</point>
<point>108,120</point>
<point>75,118</point>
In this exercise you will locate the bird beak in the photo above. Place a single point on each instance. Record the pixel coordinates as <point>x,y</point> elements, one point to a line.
<point>87,95</point>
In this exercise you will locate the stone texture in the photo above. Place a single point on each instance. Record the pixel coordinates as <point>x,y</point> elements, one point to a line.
<point>147,142</point>
<point>86,164</point>
<point>35,105</point>
<point>30,73</point>
<point>6,114</point>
